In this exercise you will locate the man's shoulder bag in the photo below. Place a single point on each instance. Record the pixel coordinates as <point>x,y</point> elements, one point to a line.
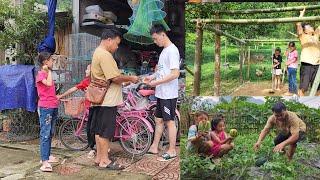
<point>97,90</point>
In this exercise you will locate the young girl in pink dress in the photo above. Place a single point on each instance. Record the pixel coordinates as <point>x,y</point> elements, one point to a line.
<point>220,142</point>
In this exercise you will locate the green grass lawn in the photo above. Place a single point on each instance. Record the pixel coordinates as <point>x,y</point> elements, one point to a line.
<point>229,76</point>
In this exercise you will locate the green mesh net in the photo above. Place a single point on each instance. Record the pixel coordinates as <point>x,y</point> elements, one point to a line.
<point>145,14</point>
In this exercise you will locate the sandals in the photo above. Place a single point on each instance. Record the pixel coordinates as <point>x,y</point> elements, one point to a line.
<point>46,168</point>
<point>166,157</point>
<point>112,159</point>
<point>113,166</point>
<point>91,154</point>
<point>151,153</point>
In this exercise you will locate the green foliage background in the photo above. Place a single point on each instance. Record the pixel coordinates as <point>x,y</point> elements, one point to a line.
<point>27,27</point>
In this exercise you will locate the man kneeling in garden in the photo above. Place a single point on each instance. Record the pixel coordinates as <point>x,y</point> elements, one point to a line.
<point>290,127</point>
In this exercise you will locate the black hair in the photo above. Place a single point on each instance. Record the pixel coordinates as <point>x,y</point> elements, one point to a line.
<point>214,123</point>
<point>111,33</point>
<point>42,56</point>
<point>157,28</point>
<point>292,44</point>
<point>304,25</point>
<point>200,113</point>
<point>279,107</point>
<point>278,49</point>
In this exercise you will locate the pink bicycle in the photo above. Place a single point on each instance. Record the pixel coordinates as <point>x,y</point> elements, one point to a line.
<point>134,124</point>
<point>133,131</point>
<point>142,91</point>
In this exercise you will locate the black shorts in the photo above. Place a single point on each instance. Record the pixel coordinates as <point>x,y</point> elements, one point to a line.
<point>282,137</point>
<point>103,121</point>
<point>166,109</point>
<point>308,73</point>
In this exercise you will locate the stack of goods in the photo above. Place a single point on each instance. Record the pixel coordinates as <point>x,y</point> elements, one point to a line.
<point>148,62</point>
<point>95,13</point>
<point>127,60</point>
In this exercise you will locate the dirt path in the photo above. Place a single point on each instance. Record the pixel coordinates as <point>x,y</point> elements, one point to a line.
<point>261,88</point>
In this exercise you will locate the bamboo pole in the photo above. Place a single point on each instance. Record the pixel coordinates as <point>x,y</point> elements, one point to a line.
<point>225,34</point>
<point>198,59</point>
<point>293,34</point>
<point>316,84</point>
<point>241,56</point>
<point>225,52</point>
<point>269,40</point>
<point>260,21</point>
<point>273,75</point>
<point>248,61</point>
<point>271,10</point>
<point>217,60</point>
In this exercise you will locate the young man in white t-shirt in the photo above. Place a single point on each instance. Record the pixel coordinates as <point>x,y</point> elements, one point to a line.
<point>166,82</point>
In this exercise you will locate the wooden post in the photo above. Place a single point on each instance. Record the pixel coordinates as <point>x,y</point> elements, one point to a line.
<point>225,52</point>
<point>316,84</point>
<point>269,10</point>
<point>261,21</point>
<point>241,56</point>
<point>248,71</point>
<point>273,75</point>
<point>217,60</point>
<point>198,59</point>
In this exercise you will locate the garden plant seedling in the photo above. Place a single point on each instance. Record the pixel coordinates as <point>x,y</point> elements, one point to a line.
<point>204,126</point>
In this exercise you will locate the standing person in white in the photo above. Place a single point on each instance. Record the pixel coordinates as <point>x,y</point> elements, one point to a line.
<point>166,82</point>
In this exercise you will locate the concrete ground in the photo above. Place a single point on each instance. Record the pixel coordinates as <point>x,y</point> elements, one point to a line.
<point>21,161</point>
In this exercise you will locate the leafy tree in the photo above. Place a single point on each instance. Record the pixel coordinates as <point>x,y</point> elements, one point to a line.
<point>26,26</point>
<point>273,31</point>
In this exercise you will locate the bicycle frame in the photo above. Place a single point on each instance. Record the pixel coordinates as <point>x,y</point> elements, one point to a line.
<point>120,117</point>
<point>131,114</point>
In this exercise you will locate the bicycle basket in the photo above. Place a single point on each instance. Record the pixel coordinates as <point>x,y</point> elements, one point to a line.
<point>74,106</point>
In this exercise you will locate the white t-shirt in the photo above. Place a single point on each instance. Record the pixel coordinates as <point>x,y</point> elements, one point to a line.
<point>168,60</point>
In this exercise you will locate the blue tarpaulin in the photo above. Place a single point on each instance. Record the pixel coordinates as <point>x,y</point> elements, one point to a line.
<point>17,87</point>
<point>49,44</point>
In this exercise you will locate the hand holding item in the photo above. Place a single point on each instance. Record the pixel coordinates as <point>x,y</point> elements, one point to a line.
<point>152,83</point>
<point>278,148</point>
<point>256,146</point>
<point>134,79</point>
<point>45,68</point>
<point>59,97</point>
<point>147,79</point>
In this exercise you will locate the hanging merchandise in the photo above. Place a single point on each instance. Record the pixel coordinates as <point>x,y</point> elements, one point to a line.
<point>49,43</point>
<point>148,13</point>
<point>134,4</point>
<point>95,13</point>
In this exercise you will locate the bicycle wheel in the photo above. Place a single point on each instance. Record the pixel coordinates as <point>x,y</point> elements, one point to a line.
<point>135,137</point>
<point>69,139</point>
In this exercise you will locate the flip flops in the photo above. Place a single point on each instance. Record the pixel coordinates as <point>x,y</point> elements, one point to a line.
<point>112,159</point>
<point>166,157</point>
<point>113,166</point>
<point>91,154</point>
<point>151,153</point>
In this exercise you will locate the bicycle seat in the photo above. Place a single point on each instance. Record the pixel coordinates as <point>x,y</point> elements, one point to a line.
<point>145,93</point>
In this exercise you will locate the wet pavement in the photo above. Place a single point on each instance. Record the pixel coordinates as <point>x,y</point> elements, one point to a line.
<point>21,161</point>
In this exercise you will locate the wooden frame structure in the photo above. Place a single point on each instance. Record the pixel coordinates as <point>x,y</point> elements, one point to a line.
<point>202,24</point>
